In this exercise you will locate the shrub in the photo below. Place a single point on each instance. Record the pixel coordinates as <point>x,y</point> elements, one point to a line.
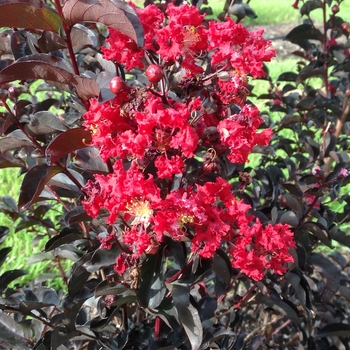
<point>177,241</point>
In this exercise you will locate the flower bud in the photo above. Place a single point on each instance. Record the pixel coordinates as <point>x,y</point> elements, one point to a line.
<point>154,73</point>
<point>118,85</point>
<point>13,91</point>
<point>335,9</point>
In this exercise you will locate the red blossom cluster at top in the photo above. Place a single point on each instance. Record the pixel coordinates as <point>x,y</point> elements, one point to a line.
<point>150,134</point>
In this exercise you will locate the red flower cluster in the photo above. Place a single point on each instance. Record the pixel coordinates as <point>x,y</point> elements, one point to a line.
<point>153,134</point>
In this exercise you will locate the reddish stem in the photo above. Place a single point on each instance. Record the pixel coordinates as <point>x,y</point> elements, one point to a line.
<point>157,324</point>
<point>67,30</point>
<point>325,47</point>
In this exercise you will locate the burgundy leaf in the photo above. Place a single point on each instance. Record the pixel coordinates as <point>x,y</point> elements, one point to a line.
<point>81,36</point>
<point>50,68</point>
<point>5,37</point>
<point>28,14</point>
<point>34,182</point>
<point>88,159</point>
<point>67,142</point>
<point>50,41</point>
<point>17,139</point>
<point>116,14</point>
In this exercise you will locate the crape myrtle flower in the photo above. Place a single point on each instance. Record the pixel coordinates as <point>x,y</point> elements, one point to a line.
<point>151,135</point>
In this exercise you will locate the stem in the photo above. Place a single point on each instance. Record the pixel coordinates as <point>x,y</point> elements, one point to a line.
<point>246,296</point>
<point>339,125</point>
<point>64,278</point>
<point>67,30</point>
<point>157,324</point>
<point>325,47</point>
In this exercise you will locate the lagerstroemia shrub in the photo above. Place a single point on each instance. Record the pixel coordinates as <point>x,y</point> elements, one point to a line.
<point>176,242</point>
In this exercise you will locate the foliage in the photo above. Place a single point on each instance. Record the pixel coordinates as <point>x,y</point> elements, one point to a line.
<point>143,140</point>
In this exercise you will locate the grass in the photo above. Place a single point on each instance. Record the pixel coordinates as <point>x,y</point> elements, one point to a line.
<point>26,242</point>
<point>276,11</point>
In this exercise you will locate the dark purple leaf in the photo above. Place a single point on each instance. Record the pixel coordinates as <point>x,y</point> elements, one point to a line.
<point>113,13</point>
<point>319,232</point>
<point>50,41</point>
<point>7,277</point>
<point>88,159</point>
<point>3,254</point>
<point>67,235</point>
<point>45,105</point>
<point>304,31</point>
<point>292,202</point>
<point>287,76</point>
<point>46,119</point>
<point>104,288</point>
<point>29,14</point>
<point>25,307</point>
<point>13,332</point>
<point>293,189</point>
<point>152,286</point>
<point>34,182</point>
<point>207,307</point>
<point>279,305</point>
<point>7,160</point>
<point>334,330</point>
<point>50,68</point>
<point>5,45</point>
<point>77,214</point>
<point>19,45</point>
<point>290,218</point>
<point>64,183</point>
<point>309,6</point>
<point>83,36</point>
<point>79,276</point>
<point>341,237</point>
<point>103,81</point>
<point>291,119</point>
<point>308,72</point>
<point>188,315</point>
<point>329,272</point>
<point>17,139</point>
<point>68,251</point>
<point>40,257</point>
<point>68,142</point>
<point>4,231</point>
<point>102,258</point>
<point>222,266</point>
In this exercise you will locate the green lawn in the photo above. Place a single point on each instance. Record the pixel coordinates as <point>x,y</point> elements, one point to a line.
<point>277,11</point>
<point>26,242</point>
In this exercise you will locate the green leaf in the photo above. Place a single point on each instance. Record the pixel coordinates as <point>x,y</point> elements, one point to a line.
<point>29,14</point>
<point>113,13</point>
